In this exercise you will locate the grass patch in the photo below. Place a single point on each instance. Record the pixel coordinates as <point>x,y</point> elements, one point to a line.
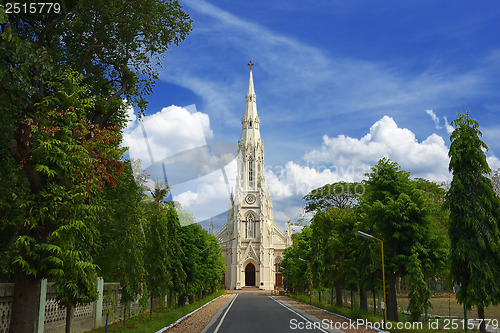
<point>357,313</point>
<point>161,318</point>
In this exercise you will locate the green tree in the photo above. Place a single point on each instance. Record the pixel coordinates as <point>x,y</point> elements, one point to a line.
<point>58,232</point>
<point>156,259</point>
<point>121,253</point>
<point>160,191</point>
<point>396,212</point>
<point>176,253</point>
<point>434,250</point>
<point>76,284</point>
<point>420,294</point>
<point>339,195</point>
<point>474,219</point>
<point>212,262</point>
<point>334,242</point>
<point>202,261</point>
<point>332,245</point>
<point>192,243</point>
<point>116,45</point>
<point>297,271</point>
<point>14,186</point>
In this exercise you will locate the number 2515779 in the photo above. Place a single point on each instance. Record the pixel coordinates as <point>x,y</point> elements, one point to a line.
<point>32,8</point>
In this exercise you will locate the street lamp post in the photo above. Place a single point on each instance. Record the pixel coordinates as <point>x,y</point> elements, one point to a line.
<point>310,280</point>
<point>286,287</point>
<point>365,235</point>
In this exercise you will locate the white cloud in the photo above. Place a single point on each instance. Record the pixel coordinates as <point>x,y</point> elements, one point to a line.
<point>296,180</point>
<point>427,159</point>
<point>172,130</point>
<point>493,162</point>
<point>130,115</point>
<point>178,138</point>
<point>186,198</point>
<point>207,196</point>
<point>435,118</point>
<point>449,128</point>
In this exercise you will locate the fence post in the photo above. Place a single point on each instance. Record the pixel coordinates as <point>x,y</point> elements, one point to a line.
<point>98,303</point>
<point>41,310</point>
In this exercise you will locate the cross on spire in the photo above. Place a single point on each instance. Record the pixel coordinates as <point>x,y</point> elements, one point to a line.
<point>251,64</point>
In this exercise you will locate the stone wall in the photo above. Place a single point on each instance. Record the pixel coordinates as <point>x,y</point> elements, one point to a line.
<point>85,317</point>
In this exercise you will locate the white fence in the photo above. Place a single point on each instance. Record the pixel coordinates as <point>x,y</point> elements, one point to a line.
<point>52,317</point>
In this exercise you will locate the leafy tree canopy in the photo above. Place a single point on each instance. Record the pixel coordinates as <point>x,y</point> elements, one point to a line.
<point>339,195</point>
<point>474,218</point>
<point>62,128</point>
<point>396,212</point>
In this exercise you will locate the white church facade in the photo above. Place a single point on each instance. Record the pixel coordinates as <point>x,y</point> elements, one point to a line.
<point>251,243</point>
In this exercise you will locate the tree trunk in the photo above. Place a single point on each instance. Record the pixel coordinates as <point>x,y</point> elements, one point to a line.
<point>374,303</point>
<point>480,315</point>
<point>319,295</point>
<point>125,316</point>
<point>150,307</point>
<point>331,296</point>
<point>181,300</point>
<point>363,299</point>
<point>26,303</point>
<point>392,301</point>
<point>170,298</point>
<point>352,300</point>
<point>69,317</point>
<point>338,292</point>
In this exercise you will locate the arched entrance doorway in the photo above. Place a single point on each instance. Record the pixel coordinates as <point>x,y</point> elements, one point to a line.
<point>250,275</point>
<point>279,277</point>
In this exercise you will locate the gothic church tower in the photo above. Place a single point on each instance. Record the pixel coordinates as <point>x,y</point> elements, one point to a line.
<point>251,243</point>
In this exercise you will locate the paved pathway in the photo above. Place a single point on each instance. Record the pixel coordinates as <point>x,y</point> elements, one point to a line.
<point>260,313</point>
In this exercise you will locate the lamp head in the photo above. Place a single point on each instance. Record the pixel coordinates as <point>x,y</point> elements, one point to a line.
<point>365,235</point>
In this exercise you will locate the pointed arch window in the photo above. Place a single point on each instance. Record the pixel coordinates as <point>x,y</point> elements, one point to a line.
<point>250,230</point>
<point>250,171</point>
<point>250,124</point>
<point>277,265</point>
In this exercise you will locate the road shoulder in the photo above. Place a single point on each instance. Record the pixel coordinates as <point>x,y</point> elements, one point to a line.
<point>196,322</point>
<point>319,314</point>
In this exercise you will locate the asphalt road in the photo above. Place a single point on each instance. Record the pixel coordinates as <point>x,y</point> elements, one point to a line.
<point>260,313</point>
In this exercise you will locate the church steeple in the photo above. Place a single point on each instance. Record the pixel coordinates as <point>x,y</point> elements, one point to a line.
<point>256,244</point>
<point>250,123</point>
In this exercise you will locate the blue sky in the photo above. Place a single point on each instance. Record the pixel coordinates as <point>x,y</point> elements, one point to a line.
<point>339,85</point>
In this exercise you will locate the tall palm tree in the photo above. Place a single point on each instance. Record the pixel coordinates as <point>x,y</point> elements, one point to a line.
<point>161,191</point>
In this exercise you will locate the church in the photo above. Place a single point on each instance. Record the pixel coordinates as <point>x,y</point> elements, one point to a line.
<point>251,243</point>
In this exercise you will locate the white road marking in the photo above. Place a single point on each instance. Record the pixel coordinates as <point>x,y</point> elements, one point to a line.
<point>225,313</point>
<point>298,314</point>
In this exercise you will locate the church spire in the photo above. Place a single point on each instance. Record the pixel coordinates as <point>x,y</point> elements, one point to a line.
<point>250,123</point>
<point>250,91</point>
